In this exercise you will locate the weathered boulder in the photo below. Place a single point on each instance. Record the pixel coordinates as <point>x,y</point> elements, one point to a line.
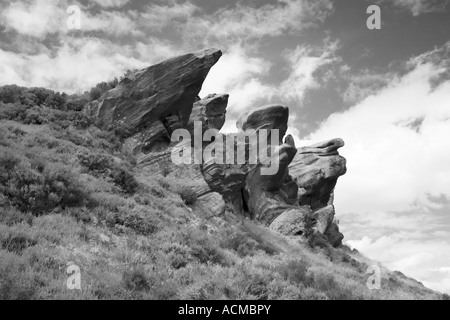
<point>265,117</point>
<point>324,218</point>
<point>169,88</point>
<point>333,235</point>
<point>210,111</point>
<point>316,169</point>
<point>291,221</point>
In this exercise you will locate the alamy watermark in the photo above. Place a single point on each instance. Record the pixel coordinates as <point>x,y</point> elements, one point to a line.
<point>74,20</point>
<point>74,280</point>
<point>250,147</point>
<point>374,21</point>
<point>374,280</point>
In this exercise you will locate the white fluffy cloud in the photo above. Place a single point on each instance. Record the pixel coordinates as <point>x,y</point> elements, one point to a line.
<point>396,147</point>
<point>398,155</point>
<point>77,66</point>
<point>243,77</point>
<point>38,18</point>
<point>246,22</point>
<point>35,18</point>
<point>415,255</point>
<point>239,75</point>
<point>304,61</point>
<point>80,61</point>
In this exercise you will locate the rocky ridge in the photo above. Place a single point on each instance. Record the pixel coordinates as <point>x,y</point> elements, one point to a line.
<point>152,103</point>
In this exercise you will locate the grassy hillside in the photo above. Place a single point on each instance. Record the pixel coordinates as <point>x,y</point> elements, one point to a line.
<point>69,195</point>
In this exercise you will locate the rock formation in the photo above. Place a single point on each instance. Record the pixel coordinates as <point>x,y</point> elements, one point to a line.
<point>152,103</point>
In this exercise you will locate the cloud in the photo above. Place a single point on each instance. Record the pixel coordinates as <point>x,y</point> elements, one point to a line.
<point>34,18</point>
<point>384,146</point>
<point>392,200</point>
<point>239,75</point>
<point>418,7</point>
<point>76,66</point>
<point>62,63</point>
<point>39,18</point>
<point>244,22</point>
<point>416,257</point>
<point>111,3</point>
<point>111,23</point>
<point>304,61</point>
<point>157,17</point>
<point>243,75</point>
<point>365,84</point>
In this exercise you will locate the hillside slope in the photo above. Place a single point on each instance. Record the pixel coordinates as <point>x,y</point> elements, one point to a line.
<point>71,194</point>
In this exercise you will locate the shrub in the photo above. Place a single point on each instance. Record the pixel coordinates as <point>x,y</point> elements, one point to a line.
<point>326,283</point>
<point>143,223</point>
<point>38,189</point>
<point>261,237</point>
<point>15,283</point>
<point>296,271</point>
<point>56,101</point>
<point>10,216</point>
<point>29,99</point>
<point>239,241</point>
<point>75,103</point>
<point>255,288</point>
<point>13,111</point>
<point>64,119</point>
<point>101,163</point>
<point>10,93</point>
<point>203,248</point>
<point>445,297</point>
<point>135,280</point>
<point>33,116</point>
<point>16,243</point>
<point>41,94</point>
<point>308,223</point>
<point>125,180</point>
<point>188,195</point>
<point>95,93</point>
<point>95,162</point>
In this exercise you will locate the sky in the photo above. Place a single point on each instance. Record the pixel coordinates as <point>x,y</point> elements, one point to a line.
<point>385,92</point>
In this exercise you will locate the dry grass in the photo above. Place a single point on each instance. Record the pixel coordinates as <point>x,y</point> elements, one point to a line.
<point>71,197</point>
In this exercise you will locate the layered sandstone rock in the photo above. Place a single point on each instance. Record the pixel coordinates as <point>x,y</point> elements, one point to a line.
<point>152,103</point>
<point>167,89</point>
<point>315,170</point>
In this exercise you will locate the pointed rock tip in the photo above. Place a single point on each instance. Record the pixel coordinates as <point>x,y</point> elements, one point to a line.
<point>216,53</point>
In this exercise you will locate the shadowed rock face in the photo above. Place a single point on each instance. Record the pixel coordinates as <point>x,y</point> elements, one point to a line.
<point>266,117</point>
<point>210,111</point>
<point>154,102</point>
<point>167,89</point>
<point>316,169</point>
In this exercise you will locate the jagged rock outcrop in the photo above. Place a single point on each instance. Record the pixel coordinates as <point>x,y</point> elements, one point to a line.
<point>210,111</point>
<point>301,188</point>
<point>152,103</point>
<point>167,89</point>
<point>315,170</point>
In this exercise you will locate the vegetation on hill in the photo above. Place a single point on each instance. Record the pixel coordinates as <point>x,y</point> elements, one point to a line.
<point>70,195</point>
